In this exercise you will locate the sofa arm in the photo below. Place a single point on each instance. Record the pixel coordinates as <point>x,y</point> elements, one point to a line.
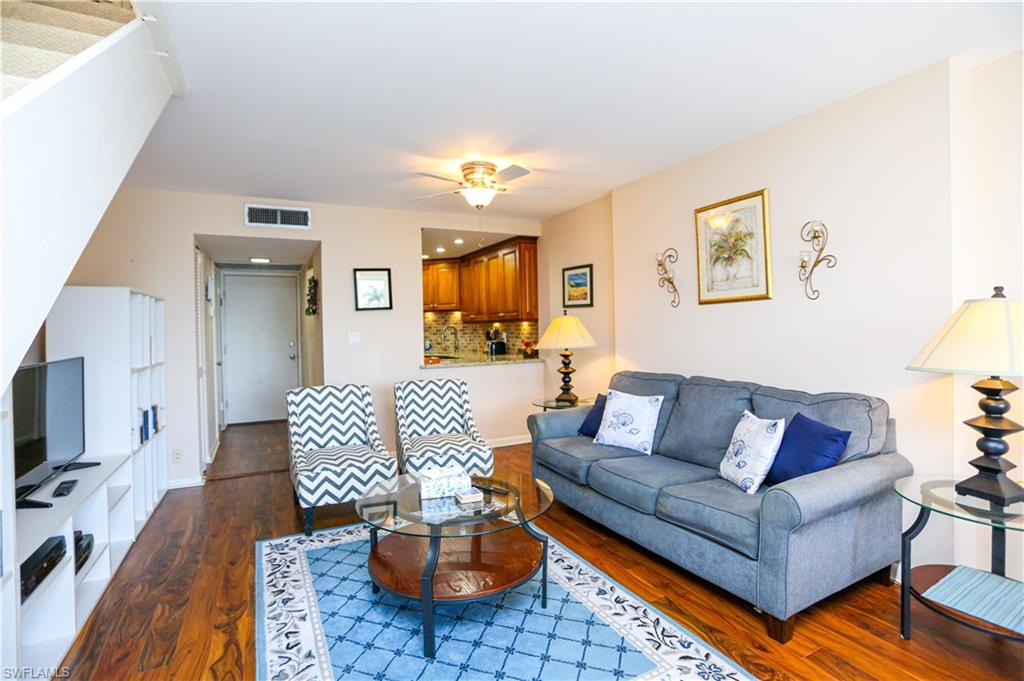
<point>811,497</point>
<point>824,531</point>
<point>557,423</point>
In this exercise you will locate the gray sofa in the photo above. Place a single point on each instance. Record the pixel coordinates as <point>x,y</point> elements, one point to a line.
<point>782,549</point>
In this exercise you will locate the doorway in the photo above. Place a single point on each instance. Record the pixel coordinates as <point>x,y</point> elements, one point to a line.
<point>260,348</point>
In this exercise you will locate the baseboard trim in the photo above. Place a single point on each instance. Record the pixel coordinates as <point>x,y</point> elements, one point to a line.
<point>508,441</point>
<point>182,483</point>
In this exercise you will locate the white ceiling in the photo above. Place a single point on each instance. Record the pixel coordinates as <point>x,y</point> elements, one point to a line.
<point>238,249</point>
<point>343,103</point>
<point>445,238</point>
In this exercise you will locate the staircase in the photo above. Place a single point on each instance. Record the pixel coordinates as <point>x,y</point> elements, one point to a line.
<point>83,85</point>
<point>36,37</point>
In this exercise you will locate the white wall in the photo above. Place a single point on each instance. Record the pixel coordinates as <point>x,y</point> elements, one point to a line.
<point>68,141</point>
<point>146,238</point>
<point>882,169</point>
<point>580,236</point>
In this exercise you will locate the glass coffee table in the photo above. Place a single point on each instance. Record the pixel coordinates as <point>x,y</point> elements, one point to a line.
<point>488,548</point>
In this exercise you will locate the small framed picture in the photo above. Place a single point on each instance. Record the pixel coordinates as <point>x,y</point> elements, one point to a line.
<point>373,288</point>
<point>578,286</point>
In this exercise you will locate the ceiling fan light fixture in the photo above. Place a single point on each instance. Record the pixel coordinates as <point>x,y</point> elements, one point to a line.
<point>478,197</point>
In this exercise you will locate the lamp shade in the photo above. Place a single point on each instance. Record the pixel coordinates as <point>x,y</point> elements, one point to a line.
<point>566,332</point>
<point>984,337</point>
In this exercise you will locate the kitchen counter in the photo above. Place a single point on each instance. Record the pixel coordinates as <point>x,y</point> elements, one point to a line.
<point>479,360</point>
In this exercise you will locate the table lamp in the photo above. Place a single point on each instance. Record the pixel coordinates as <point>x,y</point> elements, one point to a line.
<point>984,337</point>
<point>565,333</point>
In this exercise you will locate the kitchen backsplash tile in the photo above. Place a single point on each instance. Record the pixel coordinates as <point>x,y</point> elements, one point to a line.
<point>472,334</point>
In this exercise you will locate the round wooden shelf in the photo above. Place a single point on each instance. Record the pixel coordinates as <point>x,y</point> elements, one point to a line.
<point>924,577</point>
<point>468,568</point>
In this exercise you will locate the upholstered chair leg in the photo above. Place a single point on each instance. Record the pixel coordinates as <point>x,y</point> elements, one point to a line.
<point>780,630</point>
<point>884,576</point>
<point>308,520</point>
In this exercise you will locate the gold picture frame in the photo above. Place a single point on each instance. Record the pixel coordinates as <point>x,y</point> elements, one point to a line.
<point>734,254</point>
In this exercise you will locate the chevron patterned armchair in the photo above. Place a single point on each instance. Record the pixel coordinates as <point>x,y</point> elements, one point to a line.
<point>436,427</point>
<point>336,454</point>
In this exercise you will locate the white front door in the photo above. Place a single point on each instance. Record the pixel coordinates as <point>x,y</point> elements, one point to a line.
<point>260,321</point>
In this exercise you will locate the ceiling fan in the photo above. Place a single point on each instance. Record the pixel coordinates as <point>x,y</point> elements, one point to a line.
<point>481,182</point>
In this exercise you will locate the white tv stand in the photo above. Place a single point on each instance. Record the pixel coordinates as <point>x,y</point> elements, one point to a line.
<point>101,505</point>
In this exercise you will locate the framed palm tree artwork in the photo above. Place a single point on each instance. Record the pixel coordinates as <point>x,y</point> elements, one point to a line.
<point>734,250</point>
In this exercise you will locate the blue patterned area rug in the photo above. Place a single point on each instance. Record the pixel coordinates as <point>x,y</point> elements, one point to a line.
<point>317,618</point>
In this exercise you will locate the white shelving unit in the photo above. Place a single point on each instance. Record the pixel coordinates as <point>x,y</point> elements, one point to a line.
<point>119,332</point>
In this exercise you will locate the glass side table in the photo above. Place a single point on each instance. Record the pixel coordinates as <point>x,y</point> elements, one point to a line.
<point>556,405</point>
<point>932,493</point>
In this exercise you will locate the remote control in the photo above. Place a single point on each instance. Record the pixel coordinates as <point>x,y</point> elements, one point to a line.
<point>64,488</point>
<point>492,490</point>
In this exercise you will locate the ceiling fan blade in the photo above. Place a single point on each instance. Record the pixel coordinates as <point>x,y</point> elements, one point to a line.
<point>538,192</point>
<point>441,177</point>
<point>435,194</point>
<point>510,173</point>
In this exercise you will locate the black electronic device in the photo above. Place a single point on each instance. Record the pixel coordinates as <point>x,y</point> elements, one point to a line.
<point>83,548</point>
<point>64,488</point>
<point>41,563</point>
<point>48,406</point>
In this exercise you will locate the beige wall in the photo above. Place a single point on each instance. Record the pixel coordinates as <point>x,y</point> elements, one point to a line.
<point>577,237</point>
<point>145,240</point>
<point>876,169</point>
<point>312,337</point>
<point>989,251</point>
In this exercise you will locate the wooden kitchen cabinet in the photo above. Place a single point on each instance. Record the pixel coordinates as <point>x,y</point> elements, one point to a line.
<point>441,285</point>
<point>500,284</point>
<point>493,285</point>
<point>474,289</point>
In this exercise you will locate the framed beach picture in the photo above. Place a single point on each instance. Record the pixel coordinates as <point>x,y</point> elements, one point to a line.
<point>734,250</point>
<point>578,286</point>
<point>373,289</point>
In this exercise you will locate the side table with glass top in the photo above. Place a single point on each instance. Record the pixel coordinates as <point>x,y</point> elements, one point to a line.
<point>488,548</point>
<point>932,493</point>
<point>556,405</point>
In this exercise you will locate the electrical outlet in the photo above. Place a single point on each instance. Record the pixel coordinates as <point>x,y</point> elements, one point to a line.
<point>176,456</point>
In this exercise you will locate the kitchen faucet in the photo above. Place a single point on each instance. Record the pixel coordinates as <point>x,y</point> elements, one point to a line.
<point>455,332</point>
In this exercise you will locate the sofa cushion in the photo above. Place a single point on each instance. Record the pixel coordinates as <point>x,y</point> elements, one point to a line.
<point>572,456</point>
<point>716,509</point>
<point>636,481</point>
<point>864,416</point>
<point>644,383</point>
<point>592,423</point>
<point>704,418</point>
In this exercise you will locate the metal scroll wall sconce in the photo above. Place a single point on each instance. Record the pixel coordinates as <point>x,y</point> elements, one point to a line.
<point>814,233</point>
<point>666,275</point>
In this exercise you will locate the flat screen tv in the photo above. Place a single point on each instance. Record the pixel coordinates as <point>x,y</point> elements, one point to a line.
<point>49,420</point>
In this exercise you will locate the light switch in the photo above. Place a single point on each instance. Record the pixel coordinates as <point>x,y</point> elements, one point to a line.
<point>354,338</point>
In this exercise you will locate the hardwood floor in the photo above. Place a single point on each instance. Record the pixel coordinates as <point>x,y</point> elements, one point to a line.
<point>181,605</point>
<point>252,449</point>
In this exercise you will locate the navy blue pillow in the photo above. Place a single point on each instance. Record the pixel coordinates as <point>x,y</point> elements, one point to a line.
<point>807,446</point>
<point>592,423</point>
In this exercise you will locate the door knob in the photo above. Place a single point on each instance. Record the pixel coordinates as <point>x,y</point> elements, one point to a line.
<point>291,356</point>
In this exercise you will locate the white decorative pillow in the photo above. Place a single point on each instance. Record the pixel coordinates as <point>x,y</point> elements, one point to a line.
<point>629,421</point>
<point>755,442</point>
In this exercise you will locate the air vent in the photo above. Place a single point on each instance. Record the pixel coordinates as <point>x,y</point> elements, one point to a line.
<point>283,217</point>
